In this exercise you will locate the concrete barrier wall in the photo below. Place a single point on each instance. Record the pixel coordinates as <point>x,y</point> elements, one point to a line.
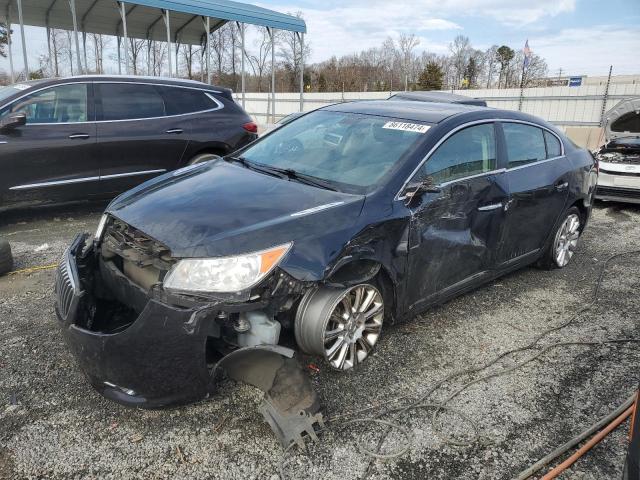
<point>577,110</point>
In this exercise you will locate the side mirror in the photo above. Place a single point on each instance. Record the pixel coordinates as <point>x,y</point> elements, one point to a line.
<point>413,191</point>
<point>12,122</point>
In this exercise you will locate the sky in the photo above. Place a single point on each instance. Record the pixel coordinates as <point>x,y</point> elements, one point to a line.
<point>581,37</point>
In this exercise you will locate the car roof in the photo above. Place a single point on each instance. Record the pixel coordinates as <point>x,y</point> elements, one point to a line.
<point>429,112</point>
<point>127,78</point>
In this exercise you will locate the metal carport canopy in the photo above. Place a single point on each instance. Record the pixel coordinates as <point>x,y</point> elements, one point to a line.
<point>144,17</point>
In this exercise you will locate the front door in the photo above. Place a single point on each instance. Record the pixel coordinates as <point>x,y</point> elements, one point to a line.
<point>137,140</point>
<point>53,156</point>
<point>455,232</point>
<point>537,175</point>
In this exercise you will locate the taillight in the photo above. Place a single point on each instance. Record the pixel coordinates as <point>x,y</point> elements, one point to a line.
<point>250,127</point>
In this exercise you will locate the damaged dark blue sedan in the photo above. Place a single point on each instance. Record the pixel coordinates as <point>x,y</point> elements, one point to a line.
<point>314,238</point>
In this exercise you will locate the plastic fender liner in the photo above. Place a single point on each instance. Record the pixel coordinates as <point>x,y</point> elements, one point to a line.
<point>290,405</point>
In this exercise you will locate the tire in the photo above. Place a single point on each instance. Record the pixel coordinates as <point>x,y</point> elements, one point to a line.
<point>562,244</point>
<point>203,157</point>
<point>323,327</point>
<point>6,259</point>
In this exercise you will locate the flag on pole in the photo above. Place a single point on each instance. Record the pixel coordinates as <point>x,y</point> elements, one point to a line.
<point>527,54</point>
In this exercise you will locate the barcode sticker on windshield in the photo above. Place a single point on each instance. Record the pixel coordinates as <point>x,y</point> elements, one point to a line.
<point>407,127</point>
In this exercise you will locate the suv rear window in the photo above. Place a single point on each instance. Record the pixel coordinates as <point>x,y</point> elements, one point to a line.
<point>127,101</point>
<point>186,100</point>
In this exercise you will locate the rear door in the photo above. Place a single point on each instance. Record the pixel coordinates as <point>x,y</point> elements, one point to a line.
<point>137,139</point>
<point>538,178</point>
<point>53,156</point>
<point>455,232</point>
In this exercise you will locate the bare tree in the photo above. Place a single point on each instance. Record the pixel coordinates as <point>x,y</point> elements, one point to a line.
<point>258,60</point>
<point>292,54</point>
<point>461,52</point>
<point>406,44</point>
<point>134,51</point>
<point>99,43</point>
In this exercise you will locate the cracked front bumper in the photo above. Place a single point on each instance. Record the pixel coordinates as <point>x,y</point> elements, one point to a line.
<point>158,357</point>
<point>158,360</point>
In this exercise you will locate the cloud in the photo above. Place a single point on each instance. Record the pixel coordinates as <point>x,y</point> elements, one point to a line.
<point>590,51</point>
<point>338,27</point>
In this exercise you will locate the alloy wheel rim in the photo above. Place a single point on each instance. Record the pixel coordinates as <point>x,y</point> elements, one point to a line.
<point>354,326</point>
<point>567,240</point>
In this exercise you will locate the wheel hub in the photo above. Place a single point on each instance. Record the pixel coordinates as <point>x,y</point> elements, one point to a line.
<point>567,240</point>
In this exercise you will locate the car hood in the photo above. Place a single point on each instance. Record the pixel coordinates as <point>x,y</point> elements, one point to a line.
<point>218,208</point>
<point>623,107</point>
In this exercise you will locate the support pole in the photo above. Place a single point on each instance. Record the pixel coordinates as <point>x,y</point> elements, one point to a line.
<point>123,16</point>
<point>242,65</point>
<point>272,34</point>
<point>24,45</point>
<point>207,27</point>
<point>301,35</point>
<point>165,16</point>
<point>72,5</point>
<point>119,59</point>
<point>148,57</point>
<point>84,48</point>
<point>48,41</point>
<point>11,71</point>
<point>177,58</point>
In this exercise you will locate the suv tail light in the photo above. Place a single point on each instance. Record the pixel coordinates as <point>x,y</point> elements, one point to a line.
<point>250,127</point>
<point>596,161</point>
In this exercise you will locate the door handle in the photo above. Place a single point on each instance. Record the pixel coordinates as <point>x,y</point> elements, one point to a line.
<point>560,186</point>
<point>174,130</point>
<point>492,206</point>
<point>79,136</point>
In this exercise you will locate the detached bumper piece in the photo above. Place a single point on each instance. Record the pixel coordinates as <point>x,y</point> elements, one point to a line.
<point>143,352</point>
<point>290,406</point>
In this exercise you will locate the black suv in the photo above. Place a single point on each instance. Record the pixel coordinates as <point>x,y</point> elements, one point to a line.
<point>73,138</point>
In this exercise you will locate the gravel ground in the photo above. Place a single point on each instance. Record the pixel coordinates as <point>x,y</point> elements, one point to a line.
<point>53,425</point>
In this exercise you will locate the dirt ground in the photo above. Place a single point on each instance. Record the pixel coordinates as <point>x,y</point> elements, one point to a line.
<point>53,425</point>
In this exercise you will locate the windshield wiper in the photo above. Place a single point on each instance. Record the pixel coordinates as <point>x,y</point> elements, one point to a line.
<point>254,166</point>
<point>292,174</point>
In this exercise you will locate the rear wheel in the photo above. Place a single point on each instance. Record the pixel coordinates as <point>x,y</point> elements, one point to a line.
<point>564,242</point>
<point>341,324</point>
<point>202,157</point>
<point>6,259</point>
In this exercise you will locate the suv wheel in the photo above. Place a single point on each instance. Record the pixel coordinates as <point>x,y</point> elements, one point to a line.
<point>203,157</point>
<point>6,259</point>
<point>564,241</point>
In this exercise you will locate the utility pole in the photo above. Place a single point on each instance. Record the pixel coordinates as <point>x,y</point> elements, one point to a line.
<point>605,96</point>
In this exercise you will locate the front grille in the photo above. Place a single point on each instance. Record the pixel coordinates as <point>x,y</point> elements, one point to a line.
<point>65,290</point>
<point>624,174</point>
<point>618,192</point>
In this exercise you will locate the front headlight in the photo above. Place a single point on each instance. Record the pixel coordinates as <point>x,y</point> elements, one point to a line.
<point>223,274</point>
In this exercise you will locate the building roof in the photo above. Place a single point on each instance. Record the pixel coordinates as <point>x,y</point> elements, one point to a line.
<point>144,17</point>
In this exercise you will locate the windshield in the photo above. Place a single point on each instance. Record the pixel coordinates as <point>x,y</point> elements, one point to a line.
<point>354,152</point>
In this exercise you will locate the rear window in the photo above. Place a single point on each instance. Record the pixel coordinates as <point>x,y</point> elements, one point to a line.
<point>525,144</point>
<point>128,101</point>
<point>186,100</point>
<point>553,145</point>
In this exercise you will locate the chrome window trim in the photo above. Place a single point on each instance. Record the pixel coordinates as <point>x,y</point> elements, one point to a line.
<point>219,105</point>
<point>85,179</point>
<point>398,195</point>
